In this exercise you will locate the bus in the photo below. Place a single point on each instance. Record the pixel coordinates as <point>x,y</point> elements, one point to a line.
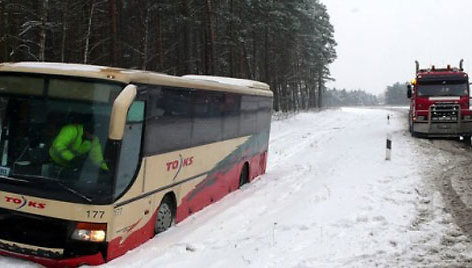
<point>168,145</point>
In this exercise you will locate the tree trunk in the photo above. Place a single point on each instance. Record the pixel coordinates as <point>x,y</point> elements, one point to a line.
<point>231,39</point>
<point>89,32</point>
<point>253,61</point>
<point>211,38</point>
<point>3,47</point>
<point>186,37</point>
<point>158,42</point>
<point>276,103</point>
<point>146,38</point>
<point>266,55</point>
<point>114,32</point>
<point>42,34</point>
<point>320,88</point>
<point>266,44</point>
<point>65,6</point>
<point>246,61</point>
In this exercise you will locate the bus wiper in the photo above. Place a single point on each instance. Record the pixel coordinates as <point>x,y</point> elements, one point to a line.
<point>59,182</point>
<point>13,179</point>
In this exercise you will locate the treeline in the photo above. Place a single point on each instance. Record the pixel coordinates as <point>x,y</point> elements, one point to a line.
<point>396,94</point>
<point>336,98</point>
<point>287,44</point>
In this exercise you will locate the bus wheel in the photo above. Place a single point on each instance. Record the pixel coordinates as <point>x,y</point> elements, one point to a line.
<point>165,216</point>
<point>244,177</point>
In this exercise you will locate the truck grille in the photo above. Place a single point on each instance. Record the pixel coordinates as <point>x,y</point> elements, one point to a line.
<point>445,112</point>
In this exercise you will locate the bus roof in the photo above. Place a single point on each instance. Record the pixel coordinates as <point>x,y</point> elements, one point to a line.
<point>141,77</point>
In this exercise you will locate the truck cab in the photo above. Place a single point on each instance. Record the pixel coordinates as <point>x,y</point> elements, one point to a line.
<point>439,102</point>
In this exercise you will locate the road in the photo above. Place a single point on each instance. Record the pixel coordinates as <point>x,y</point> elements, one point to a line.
<point>450,173</point>
<point>447,175</point>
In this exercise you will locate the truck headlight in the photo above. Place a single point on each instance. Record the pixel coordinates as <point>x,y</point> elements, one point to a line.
<point>94,232</point>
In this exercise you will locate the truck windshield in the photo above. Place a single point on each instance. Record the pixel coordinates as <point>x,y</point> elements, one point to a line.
<point>53,137</point>
<point>443,88</point>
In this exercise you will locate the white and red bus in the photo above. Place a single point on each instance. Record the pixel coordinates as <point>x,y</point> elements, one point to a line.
<point>171,146</point>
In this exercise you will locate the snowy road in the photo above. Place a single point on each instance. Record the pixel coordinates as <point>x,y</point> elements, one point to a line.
<point>329,199</point>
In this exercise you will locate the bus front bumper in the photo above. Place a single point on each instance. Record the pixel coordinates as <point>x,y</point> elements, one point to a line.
<point>443,129</point>
<point>96,259</point>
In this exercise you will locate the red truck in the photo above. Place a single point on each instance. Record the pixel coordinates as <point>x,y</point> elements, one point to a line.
<point>440,102</point>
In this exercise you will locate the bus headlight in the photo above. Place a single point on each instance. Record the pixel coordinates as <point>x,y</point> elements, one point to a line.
<point>94,232</point>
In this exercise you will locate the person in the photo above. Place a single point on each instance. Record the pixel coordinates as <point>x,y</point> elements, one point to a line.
<point>75,143</point>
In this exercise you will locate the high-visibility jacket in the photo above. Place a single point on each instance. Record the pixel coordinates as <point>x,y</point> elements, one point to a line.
<point>70,144</point>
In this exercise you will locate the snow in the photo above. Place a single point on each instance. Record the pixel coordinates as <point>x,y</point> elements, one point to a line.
<point>229,81</point>
<point>59,66</point>
<point>329,199</point>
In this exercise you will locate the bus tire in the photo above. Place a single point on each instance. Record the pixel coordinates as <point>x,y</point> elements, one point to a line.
<point>244,176</point>
<point>165,215</point>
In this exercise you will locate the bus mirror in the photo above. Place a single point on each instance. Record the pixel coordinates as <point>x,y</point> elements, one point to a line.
<point>409,91</point>
<point>119,112</point>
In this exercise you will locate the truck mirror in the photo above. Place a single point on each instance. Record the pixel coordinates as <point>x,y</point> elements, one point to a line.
<point>409,91</point>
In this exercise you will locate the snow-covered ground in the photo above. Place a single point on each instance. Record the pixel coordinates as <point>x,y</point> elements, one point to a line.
<point>329,199</point>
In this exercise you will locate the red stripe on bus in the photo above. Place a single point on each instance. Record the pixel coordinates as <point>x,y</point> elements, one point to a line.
<point>226,183</point>
<point>96,259</point>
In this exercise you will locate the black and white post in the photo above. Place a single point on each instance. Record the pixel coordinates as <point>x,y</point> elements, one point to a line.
<point>389,147</point>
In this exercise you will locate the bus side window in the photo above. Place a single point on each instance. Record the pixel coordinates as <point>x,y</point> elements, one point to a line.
<point>169,123</point>
<point>136,112</point>
<point>130,147</point>
<point>207,118</point>
<point>264,114</point>
<point>248,115</point>
<point>232,112</point>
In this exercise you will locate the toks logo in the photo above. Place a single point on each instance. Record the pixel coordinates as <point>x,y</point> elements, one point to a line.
<point>22,202</point>
<point>179,164</point>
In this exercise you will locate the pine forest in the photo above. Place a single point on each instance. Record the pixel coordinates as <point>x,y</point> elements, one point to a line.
<point>287,44</point>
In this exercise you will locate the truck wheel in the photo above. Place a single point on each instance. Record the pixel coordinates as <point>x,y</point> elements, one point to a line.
<point>413,133</point>
<point>467,139</point>
<point>165,216</point>
<point>244,177</point>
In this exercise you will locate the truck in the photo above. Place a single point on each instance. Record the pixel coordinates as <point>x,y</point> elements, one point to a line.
<point>440,102</point>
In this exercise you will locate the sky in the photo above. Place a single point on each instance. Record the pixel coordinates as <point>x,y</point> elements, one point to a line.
<point>379,40</point>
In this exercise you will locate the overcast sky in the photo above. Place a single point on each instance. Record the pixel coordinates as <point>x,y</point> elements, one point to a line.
<point>379,40</point>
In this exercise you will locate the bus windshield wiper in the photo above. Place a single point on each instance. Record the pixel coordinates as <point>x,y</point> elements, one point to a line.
<point>60,183</point>
<point>13,179</point>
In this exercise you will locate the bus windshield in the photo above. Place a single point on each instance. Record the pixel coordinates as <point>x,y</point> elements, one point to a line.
<point>443,88</point>
<point>54,137</point>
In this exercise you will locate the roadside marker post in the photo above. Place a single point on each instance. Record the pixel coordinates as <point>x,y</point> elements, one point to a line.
<point>389,147</point>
